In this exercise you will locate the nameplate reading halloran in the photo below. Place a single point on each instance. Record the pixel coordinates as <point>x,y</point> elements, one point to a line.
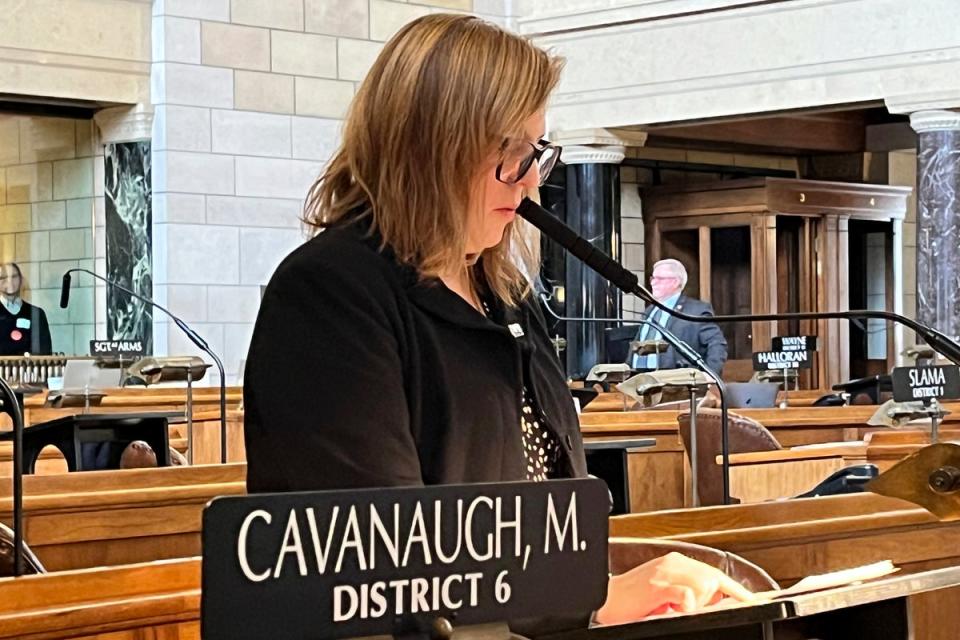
<point>767,360</point>
<point>131,347</point>
<point>340,564</point>
<point>925,383</point>
<point>795,343</point>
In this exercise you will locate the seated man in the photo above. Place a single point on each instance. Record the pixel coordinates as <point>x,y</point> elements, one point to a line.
<point>667,282</point>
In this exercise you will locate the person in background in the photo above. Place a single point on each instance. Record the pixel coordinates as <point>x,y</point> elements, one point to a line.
<point>402,345</point>
<point>666,283</point>
<point>23,326</point>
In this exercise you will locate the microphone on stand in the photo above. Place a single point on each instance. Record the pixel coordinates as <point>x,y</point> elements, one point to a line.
<point>628,282</point>
<point>190,333</point>
<point>65,291</point>
<point>691,355</point>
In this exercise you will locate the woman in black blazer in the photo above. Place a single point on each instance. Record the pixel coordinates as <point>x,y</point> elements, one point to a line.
<point>401,346</point>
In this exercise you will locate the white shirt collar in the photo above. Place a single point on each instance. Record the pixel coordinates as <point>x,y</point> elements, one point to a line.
<point>12,305</point>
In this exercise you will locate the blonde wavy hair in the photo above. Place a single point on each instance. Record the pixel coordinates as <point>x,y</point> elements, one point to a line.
<point>437,104</point>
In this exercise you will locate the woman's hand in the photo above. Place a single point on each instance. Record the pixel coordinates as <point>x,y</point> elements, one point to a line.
<point>671,582</point>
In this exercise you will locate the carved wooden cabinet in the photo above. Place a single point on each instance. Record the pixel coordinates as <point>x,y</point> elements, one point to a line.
<point>772,245</point>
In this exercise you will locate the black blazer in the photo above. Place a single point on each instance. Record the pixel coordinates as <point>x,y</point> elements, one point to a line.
<point>359,375</point>
<point>27,331</point>
<point>704,337</point>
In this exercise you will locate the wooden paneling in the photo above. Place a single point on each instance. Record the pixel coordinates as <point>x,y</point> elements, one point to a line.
<point>657,476</point>
<point>795,538</point>
<point>827,133</point>
<point>92,518</point>
<point>787,479</point>
<point>821,251</point>
<point>704,263</point>
<point>152,601</point>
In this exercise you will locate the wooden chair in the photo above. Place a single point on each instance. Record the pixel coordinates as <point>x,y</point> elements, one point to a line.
<point>746,435</point>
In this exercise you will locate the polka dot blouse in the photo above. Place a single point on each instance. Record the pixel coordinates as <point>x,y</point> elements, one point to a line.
<point>540,446</point>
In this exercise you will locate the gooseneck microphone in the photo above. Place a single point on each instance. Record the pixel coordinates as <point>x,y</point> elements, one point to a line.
<point>190,333</point>
<point>695,359</point>
<point>65,291</point>
<point>628,282</point>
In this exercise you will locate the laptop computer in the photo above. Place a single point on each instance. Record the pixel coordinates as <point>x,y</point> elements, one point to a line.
<point>85,374</point>
<point>752,395</point>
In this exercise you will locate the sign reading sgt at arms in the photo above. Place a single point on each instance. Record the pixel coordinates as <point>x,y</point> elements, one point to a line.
<point>341,564</point>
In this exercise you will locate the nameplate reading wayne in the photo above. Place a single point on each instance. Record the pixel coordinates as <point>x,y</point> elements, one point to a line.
<point>338,564</point>
<point>794,343</point>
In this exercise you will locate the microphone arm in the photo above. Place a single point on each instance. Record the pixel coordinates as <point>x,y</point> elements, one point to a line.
<point>697,360</point>
<point>190,333</point>
<point>628,282</point>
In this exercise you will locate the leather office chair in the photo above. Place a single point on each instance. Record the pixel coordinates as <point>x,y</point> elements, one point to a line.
<point>627,553</point>
<point>746,435</point>
<point>31,564</point>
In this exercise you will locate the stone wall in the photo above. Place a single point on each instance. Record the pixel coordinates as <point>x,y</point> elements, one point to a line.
<point>95,50</point>
<point>51,186</point>
<point>249,96</point>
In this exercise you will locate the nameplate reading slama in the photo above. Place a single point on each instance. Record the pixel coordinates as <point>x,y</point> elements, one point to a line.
<point>338,564</point>
<point>925,383</point>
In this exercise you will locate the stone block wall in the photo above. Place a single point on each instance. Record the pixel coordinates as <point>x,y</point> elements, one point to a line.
<point>51,191</point>
<point>249,97</point>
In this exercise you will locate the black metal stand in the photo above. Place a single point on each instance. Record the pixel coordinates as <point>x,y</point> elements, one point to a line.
<point>191,334</point>
<point>694,461</point>
<point>13,407</point>
<point>697,360</point>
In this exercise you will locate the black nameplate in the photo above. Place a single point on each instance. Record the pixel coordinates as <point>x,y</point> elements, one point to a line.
<point>116,347</point>
<point>795,343</point>
<point>338,564</point>
<point>925,383</point>
<point>773,360</point>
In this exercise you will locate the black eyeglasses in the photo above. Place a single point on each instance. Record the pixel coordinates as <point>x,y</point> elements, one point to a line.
<point>518,156</point>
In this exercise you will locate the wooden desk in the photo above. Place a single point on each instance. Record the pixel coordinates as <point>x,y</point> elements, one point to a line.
<point>614,401</point>
<point>98,518</point>
<point>771,475</point>
<point>157,600</point>
<point>161,599</point>
<point>130,399</point>
<point>792,426</point>
<point>660,476</point>
<point>796,538</point>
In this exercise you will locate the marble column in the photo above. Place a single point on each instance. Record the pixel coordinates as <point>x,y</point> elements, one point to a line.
<point>938,219</point>
<point>125,238</point>
<point>593,210</point>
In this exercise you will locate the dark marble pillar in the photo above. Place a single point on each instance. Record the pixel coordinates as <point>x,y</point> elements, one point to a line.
<point>593,210</point>
<point>129,238</point>
<point>938,219</point>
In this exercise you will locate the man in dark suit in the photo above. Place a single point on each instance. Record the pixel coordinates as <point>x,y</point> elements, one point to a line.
<point>667,282</point>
